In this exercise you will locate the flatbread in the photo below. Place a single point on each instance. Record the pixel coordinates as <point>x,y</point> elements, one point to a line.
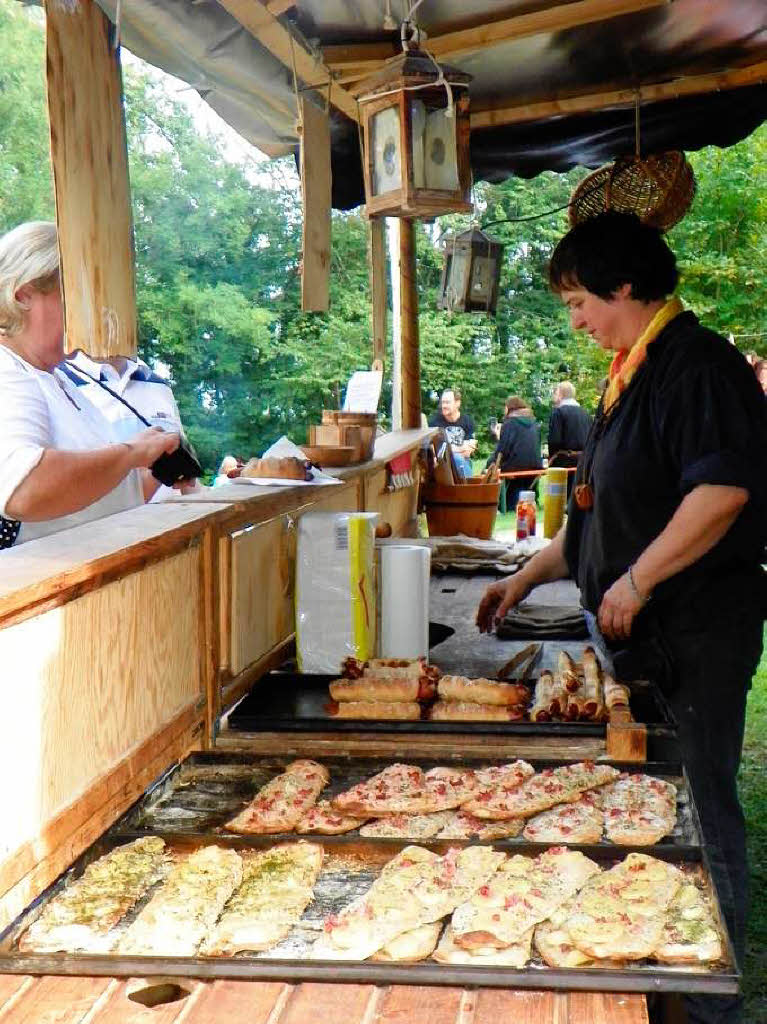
<point>323,820</point>
<point>412,946</point>
<point>622,912</point>
<point>277,886</point>
<point>406,826</point>
<point>639,810</point>
<point>579,822</point>
<point>482,691</point>
<point>515,955</point>
<point>395,711</point>
<point>82,916</point>
<point>407,789</point>
<point>555,945</point>
<point>282,802</point>
<point>690,934</point>
<point>522,893</point>
<point>398,789</point>
<point>469,711</point>
<point>416,891</point>
<point>461,825</point>
<point>551,787</point>
<point>183,911</point>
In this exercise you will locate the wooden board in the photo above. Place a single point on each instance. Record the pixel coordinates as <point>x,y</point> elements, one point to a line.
<point>315,191</point>
<point>90,174</point>
<point>101,1001</point>
<point>261,591</point>
<point>91,681</point>
<point>378,290</point>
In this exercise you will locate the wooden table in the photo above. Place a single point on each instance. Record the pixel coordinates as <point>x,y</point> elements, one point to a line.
<point>53,1000</point>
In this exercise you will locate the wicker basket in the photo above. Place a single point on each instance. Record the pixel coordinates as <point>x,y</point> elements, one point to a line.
<point>658,189</point>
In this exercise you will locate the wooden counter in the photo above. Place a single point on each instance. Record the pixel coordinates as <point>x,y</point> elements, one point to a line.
<point>124,639</point>
<point>105,1001</point>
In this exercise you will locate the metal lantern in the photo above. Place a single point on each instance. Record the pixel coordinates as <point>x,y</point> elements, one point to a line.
<point>415,129</point>
<point>471,271</point>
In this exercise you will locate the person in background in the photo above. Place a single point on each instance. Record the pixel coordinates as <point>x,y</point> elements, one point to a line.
<point>519,447</point>
<point>667,524</point>
<point>136,382</point>
<point>458,428</point>
<point>569,426</point>
<point>60,462</point>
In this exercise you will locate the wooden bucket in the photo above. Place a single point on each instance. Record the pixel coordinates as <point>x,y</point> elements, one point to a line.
<point>467,508</point>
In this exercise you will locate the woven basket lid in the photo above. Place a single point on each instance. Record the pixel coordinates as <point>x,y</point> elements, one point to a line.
<point>658,189</point>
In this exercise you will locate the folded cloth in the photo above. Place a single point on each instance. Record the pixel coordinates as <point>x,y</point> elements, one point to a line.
<point>543,622</point>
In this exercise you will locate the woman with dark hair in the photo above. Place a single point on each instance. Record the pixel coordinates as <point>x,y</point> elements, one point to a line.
<point>519,446</point>
<point>666,526</point>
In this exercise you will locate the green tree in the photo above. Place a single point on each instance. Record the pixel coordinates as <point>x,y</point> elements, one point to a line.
<point>26,183</point>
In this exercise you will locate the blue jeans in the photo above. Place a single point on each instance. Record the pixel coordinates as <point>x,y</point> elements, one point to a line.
<point>463,464</point>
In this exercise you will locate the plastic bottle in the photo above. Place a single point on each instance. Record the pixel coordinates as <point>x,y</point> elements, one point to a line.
<point>526,512</point>
<point>555,501</point>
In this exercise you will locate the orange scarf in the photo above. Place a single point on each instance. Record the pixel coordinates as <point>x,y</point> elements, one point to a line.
<point>626,362</point>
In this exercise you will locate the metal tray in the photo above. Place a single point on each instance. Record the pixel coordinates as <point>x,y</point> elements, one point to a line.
<point>197,795</point>
<point>348,870</point>
<point>293,702</point>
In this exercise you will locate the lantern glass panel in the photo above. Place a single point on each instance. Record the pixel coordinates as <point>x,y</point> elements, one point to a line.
<point>457,274</point>
<point>433,141</point>
<point>386,146</point>
<point>482,277</point>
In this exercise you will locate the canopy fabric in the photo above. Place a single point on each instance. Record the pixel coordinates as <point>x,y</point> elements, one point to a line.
<point>552,87</point>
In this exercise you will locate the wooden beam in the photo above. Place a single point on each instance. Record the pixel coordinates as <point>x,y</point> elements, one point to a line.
<point>377,273</point>
<point>256,18</point>
<point>447,43</point>
<point>277,7</point>
<point>515,113</point>
<point>90,174</point>
<point>316,196</point>
<point>411,370</point>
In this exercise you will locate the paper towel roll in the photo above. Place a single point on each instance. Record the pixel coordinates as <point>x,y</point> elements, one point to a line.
<point>403,573</point>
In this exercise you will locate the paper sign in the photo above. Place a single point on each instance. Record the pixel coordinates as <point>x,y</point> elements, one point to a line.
<point>363,391</point>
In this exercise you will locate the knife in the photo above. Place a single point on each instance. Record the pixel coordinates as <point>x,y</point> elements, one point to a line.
<point>521,665</point>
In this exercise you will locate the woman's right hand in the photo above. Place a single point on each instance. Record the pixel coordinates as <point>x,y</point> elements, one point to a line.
<point>498,599</point>
<point>147,447</point>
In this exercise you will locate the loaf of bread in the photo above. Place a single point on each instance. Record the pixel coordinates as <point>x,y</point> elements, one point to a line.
<point>284,469</point>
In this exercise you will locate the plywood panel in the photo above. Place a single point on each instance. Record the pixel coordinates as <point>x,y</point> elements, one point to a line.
<point>90,173</point>
<point>92,680</point>
<point>261,591</point>
<point>398,508</point>
<point>315,190</point>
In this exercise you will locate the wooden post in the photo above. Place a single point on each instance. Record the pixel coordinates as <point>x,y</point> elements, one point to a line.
<point>377,272</point>
<point>411,371</point>
<point>315,190</point>
<point>90,174</point>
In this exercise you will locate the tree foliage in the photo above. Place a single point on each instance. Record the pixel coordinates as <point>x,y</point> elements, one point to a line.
<point>217,267</point>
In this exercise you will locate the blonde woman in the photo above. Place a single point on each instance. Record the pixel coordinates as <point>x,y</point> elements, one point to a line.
<point>59,463</point>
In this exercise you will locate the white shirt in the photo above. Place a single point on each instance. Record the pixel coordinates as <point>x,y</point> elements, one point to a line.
<point>40,410</point>
<point>147,392</point>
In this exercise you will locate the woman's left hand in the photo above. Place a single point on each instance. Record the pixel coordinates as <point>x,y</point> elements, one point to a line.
<point>618,609</point>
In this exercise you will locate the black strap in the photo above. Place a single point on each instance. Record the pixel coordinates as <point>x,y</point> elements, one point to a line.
<point>101,384</point>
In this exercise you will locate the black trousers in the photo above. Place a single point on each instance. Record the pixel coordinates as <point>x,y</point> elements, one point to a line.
<point>706,672</point>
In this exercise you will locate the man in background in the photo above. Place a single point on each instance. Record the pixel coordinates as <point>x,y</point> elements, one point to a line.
<point>569,426</point>
<point>458,428</point>
<point>519,447</point>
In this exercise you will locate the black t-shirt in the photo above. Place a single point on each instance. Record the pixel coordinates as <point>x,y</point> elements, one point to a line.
<point>693,414</point>
<point>458,432</point>
<point>569,427</point>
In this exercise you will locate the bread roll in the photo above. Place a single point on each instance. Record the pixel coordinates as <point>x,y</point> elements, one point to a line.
<point>288,468</point>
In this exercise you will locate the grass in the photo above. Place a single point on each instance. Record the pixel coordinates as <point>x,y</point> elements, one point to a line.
<point>754,799</point>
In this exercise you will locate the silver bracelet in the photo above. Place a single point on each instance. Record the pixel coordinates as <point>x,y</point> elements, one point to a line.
<point>635,588</point>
